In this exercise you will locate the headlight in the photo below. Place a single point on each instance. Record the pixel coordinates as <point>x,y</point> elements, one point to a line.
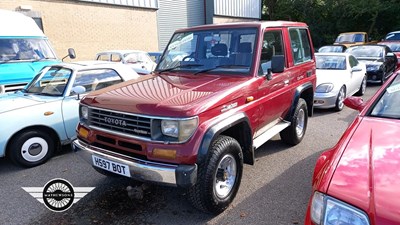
<point>181,129</point>
<point>373,67</point>
<point>84,112</point>
<point>326,210</point>
<point>324,88</point>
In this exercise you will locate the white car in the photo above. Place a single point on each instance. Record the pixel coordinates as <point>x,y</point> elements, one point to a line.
<point>37,120</point>
<point>134,58</point>
<point>339,75</point>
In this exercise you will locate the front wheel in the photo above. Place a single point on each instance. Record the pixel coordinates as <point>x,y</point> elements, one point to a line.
<point>383,78</point>
<point>31,148</point>
<point>293,134</point>
<point>219,177</point>
<point>340,99</point>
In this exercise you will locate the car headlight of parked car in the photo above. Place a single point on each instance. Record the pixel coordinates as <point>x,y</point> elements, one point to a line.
<point>373,67</point>
<point>180,129</point>
<point>326,210</point>
<point>324,88</point>
<point>84,112</point>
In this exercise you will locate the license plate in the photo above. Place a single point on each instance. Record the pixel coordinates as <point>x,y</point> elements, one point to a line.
<point>111,166</point>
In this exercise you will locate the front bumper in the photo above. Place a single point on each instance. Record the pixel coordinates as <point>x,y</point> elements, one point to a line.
<point>143,170</point>
<point>325,100</point>
<point>374,76</point>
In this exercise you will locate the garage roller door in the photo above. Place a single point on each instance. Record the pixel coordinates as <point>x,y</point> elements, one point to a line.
<point>176,14</point>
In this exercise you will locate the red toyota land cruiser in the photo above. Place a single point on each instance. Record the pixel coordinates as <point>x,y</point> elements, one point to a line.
<point>218,93</point>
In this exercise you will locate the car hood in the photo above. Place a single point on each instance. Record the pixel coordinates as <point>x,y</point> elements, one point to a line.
<point>371,61</point>
<point>335,77</point>
<point>368,175</point>
<point>169,95</point>
<point>14,101</point>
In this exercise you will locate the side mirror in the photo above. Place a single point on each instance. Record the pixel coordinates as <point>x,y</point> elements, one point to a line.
<point>390,54</point>
<point>277,66</point>
<point>356,103</point>
<point>77,90</point>
<point>277,63</point>
<point>356,69</point>
<point>71,54</point>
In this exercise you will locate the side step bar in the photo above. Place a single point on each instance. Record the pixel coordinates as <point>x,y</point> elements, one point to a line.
<point>264,137</point>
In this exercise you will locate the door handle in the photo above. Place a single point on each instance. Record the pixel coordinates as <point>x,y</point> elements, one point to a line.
<point>286,82</point>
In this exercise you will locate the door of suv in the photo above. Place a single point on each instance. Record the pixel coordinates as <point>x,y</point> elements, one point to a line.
<point>275,94</point>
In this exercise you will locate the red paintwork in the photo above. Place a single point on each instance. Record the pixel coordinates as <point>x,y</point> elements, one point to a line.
<point>363,168</point>
<point>171,95</point>
<point>177,94</point>
<point>353,102</point>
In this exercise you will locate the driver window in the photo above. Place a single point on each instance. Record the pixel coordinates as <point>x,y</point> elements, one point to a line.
<point>272,45</point>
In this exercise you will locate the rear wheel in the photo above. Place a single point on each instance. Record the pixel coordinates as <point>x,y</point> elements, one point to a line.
<point>219,177</point>
<point>31,148</point>
<point>295,132</point>
<point>340,99</point>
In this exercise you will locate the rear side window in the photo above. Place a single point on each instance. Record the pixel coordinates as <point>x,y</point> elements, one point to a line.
<point>103,57</point>
<point>96,79</point>
<point>301,48</point>
<point>116,58</point>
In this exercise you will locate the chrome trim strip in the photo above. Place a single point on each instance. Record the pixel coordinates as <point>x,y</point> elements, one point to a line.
<point>123,134</point>
<point>139,115</point>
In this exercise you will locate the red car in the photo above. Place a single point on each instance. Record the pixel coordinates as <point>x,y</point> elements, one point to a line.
<point>357,182</point>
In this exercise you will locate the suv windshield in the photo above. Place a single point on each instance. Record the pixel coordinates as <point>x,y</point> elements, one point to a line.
<point>25,49</point>
<point>214,51</point>
<point>350,38</point>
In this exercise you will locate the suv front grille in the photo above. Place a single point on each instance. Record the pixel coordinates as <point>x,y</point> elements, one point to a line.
<point>120,122</point>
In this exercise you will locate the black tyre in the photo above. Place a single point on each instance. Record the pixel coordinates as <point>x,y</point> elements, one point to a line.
<point>383,78</point>
<point>219,177</point>
<point>340,99</point>
<point>293,134</point>
<point>31,148</point>
<point>363,87</point>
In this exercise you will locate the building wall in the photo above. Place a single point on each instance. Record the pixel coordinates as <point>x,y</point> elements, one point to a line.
<point>242,8</point>
<point>224,19</point>
<point>91,27</point>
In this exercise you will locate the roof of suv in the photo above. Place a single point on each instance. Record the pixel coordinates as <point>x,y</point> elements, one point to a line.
<point>262,24</point>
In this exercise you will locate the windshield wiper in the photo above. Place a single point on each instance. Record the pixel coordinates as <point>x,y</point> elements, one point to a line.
<point>41,59</point>
<point>45,94</point>
<point>180,66</point>
<point>221,66</point>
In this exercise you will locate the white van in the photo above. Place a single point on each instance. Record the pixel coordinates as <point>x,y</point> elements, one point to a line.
<point>24,50</point>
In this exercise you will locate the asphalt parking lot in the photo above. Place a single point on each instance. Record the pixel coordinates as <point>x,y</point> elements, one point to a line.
<point>273,191</point>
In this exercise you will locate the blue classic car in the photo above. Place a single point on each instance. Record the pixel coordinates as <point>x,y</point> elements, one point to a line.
<point>40,118</point>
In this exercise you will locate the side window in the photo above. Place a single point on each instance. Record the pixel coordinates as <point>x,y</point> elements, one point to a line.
<point>103,57</point>
<point>96,79</point>
<point>301,48</point>
<point>272,45</point>
<point>115,58</point>
<point>353,61</point>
